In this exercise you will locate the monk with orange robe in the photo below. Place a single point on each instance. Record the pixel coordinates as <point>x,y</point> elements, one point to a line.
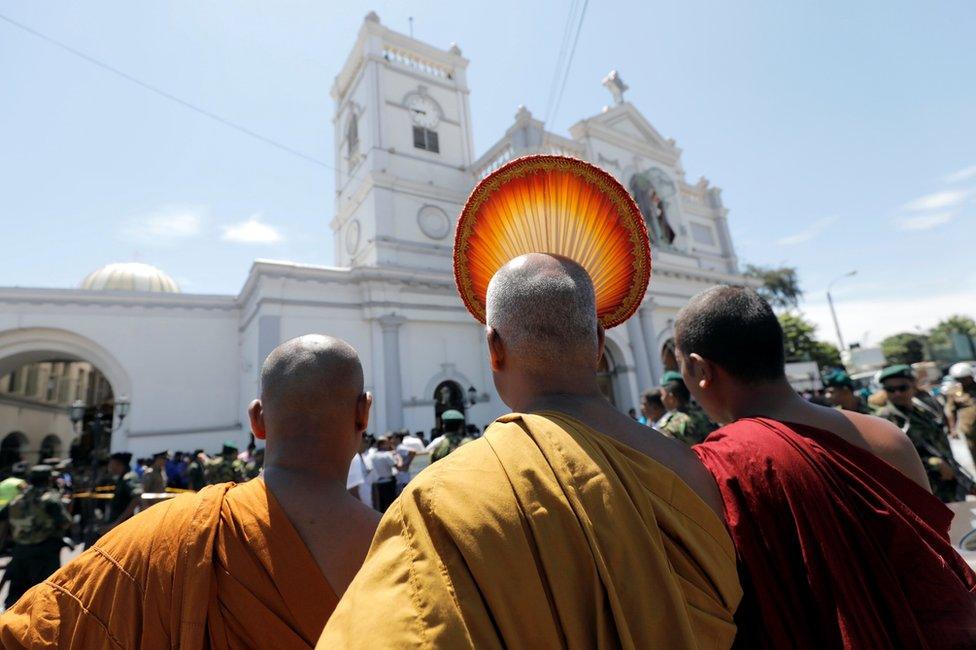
<point>567,525</point>
<point>260,564</point>
<point>840,540</point>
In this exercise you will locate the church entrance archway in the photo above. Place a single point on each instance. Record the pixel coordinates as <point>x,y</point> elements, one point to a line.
<point>42,373</point>
<point>448,395</point>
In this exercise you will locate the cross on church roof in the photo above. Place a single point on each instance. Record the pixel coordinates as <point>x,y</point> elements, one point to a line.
<point>616,86</point>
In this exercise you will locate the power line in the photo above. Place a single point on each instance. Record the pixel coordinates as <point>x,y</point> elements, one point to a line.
<point>167,95</point>
<point>560,58</point>
<point>569,63</point>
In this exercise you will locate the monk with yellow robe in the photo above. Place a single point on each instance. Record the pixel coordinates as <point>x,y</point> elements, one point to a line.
<point>260,564</point>
<point>567,525</point>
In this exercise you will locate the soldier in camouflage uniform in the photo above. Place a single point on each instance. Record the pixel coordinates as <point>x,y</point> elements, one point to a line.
<point>37,520</point>
<point>924,427</point>
<point>960,407</point>
<point>226,468</point>
<point>678,421</point>
<point>454,434</point>
<point>196,477</point>
<point>128,490</point>
<point>840,393</point>
<point>254,466</point>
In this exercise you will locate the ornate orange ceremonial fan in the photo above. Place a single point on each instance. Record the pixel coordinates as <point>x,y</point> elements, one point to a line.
<point>558,205</point>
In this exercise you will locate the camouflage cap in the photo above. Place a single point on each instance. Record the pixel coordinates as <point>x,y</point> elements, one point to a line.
<point>899,370</point>
<point>452,415</point>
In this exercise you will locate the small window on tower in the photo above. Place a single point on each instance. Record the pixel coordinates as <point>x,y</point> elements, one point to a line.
<point>425,139</point>
<point>352,138</point>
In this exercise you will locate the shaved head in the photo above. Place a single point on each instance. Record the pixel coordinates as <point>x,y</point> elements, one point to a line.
<point>544,308</point>
<point>312,407</point>
<point>311,373</point>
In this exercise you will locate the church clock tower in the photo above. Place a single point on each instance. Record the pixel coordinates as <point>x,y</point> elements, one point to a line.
<point>403,151</point>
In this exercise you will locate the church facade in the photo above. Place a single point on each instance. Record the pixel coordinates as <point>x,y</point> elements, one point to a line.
<point>405,162</point>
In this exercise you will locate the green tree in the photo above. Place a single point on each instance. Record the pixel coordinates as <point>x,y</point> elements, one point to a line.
<point>906,347</point>
<point>801,344</point>
<point>780,286</point>
<point>941,334</point>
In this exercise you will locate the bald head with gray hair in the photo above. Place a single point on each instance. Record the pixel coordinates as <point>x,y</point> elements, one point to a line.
<point>544,308</point>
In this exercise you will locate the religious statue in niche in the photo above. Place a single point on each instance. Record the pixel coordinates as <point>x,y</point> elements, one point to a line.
<point>448,395</point>
<point>651,192</point>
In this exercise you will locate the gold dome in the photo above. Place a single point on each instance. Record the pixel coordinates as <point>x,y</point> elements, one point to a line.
<point>130,276</point>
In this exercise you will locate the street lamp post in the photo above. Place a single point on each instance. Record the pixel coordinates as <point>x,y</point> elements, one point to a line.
<point>473,395</point>
<point>833,313</point>
<point>76,413</point>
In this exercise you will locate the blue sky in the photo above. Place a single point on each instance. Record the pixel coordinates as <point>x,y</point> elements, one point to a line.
<point>843,134</point>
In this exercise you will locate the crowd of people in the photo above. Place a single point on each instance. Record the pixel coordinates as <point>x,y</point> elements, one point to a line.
<point>730,508</point>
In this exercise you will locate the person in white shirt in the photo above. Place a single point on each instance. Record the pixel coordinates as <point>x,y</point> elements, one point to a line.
<point>366,467</point>
<point>413,458</point>
<point>384,467</point>
<point>355,479</point>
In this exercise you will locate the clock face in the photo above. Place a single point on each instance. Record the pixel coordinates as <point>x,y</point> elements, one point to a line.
<point>423,111</point>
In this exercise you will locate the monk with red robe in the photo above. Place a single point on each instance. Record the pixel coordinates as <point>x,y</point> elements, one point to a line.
<point>260,565</point>
<point>840,541</point>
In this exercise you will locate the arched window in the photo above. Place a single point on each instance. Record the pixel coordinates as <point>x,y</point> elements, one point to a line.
<point>604,376</point>
<point>668,357</point>
<point>448,395</point>
<point>12,449</point>
<point>652,201</point>
<point>50,447</point>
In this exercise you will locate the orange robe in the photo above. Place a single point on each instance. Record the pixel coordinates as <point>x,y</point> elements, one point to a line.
<point>223,568</point>
<point>543,534</point>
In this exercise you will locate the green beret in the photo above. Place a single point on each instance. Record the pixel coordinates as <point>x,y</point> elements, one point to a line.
<point>452,415</point>
<point>838,379</point>
<point>671,375</point>
<point>900,370</point>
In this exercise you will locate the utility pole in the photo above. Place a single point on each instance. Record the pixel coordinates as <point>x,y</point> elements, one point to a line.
<point>833,312</point>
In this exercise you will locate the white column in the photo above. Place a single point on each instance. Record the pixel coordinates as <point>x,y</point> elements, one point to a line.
<point>639,350</point>
<point>393,383</point>
<point>650,341</point>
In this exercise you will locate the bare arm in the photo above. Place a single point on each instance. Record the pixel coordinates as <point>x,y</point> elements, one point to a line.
<point>890,444</point>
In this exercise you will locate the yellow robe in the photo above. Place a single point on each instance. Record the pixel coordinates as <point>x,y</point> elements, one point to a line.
<point>223,568</point>
<point>544,533</point>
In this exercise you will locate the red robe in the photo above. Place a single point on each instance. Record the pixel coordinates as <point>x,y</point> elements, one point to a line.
<point>836,547</point>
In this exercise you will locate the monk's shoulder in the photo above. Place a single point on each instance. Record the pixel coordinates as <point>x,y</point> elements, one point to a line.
<point>151,539</point>
<point>889,443</point>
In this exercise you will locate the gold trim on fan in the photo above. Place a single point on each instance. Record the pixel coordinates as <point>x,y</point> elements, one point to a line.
<point>628,215</point>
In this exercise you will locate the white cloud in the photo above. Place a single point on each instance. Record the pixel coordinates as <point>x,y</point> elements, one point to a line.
<point>165,226</point>
<point>925,221</point>
<point>937,200</point>
<point>807,234</point>
<point>252,231</point>
<point>969,173</point>
<point>867,321</point>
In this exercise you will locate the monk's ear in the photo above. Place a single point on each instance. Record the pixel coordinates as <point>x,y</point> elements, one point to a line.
<point>702,371</point>
<point>363,404</point>
<point>496,349</point>
<point>256,414</point>
<point>601,339</point>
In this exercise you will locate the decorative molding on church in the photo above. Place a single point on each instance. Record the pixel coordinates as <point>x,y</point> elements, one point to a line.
<point>13,296</point>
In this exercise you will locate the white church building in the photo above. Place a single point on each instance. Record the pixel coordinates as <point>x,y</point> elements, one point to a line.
<point>189,364</point>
